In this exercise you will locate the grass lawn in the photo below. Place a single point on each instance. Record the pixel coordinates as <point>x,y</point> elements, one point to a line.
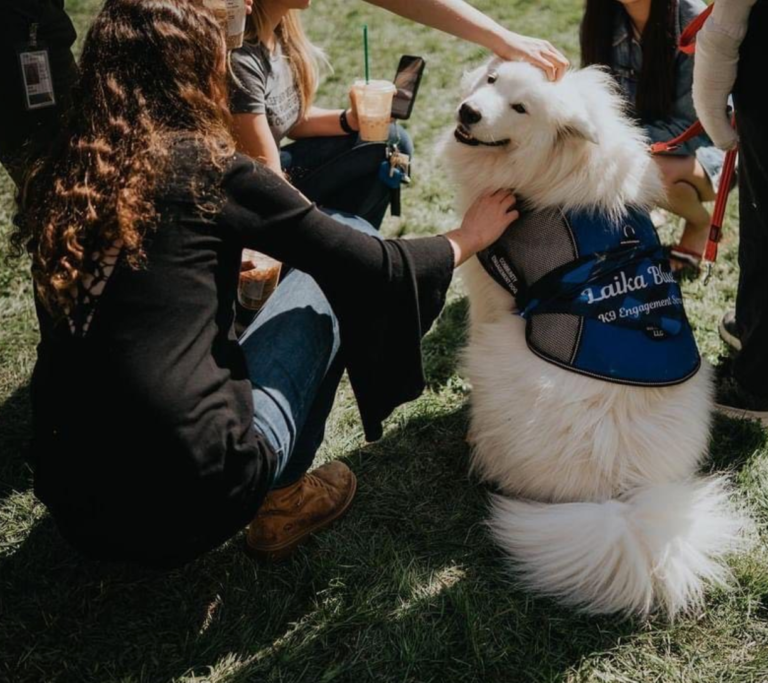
<point>408,587</point>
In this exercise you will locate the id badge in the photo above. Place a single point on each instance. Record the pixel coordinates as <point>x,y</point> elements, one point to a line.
<point>35,64</point>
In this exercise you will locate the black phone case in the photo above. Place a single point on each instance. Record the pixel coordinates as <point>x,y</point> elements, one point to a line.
<point>415,86</point>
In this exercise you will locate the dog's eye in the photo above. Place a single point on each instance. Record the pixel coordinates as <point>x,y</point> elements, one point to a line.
<point>493,77</point>
<point>519,108</point>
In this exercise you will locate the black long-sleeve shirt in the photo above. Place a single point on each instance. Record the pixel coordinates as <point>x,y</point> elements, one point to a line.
<point>144,446</point>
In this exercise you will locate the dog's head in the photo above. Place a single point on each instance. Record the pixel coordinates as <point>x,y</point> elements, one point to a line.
<point>568,143</point>
<point>511,105</point>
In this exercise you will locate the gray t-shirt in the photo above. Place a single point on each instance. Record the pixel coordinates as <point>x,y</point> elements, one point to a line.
<point>264,84</point>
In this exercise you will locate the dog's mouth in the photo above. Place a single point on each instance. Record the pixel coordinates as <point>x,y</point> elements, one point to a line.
<point>463,136</point>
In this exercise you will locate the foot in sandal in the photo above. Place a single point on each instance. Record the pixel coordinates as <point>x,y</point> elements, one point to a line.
<point>684,261</point>
<point>685,256</point>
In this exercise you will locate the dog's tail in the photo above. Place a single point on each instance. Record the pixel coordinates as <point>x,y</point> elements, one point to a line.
<point>655,548</point>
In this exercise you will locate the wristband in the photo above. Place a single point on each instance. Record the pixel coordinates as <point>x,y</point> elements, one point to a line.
<point>345,123</point>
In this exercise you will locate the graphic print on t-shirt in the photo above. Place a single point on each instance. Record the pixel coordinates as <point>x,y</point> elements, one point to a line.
<point>283,106</point>
<point>263,83</point>
<point>281,96</point>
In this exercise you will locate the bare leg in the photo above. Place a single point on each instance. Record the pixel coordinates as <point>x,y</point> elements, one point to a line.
<point>687,188</point>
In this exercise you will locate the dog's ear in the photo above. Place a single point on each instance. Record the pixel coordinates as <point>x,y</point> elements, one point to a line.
<point>470,78</point>
<point>578,127</point>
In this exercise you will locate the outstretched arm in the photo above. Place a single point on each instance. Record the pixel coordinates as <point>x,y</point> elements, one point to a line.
<point>385,293</point>
<point>716,66</point>
<point>462,20</point>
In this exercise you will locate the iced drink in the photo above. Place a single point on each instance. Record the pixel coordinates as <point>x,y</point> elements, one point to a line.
<point>373,104</point>
<point>231,15</point>
<point>259,275</point>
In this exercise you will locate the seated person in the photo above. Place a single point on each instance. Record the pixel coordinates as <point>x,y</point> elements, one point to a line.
<point>158,433</point>
<point>638,41</point>
<point>274,80</point>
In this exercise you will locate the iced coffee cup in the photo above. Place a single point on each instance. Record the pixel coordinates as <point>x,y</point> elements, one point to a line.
<point>259,275</point>
<point>373,104</point>
<point>231,14</point>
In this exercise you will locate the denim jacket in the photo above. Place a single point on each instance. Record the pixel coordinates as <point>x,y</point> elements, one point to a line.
<point>627,63</point>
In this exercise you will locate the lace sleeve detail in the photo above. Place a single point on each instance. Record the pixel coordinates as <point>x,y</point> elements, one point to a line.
<point>90,289</point>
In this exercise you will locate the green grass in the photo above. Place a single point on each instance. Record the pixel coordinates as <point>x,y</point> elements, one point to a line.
<point>408,587</point>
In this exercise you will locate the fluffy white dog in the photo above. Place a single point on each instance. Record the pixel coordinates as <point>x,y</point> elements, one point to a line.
<point>602,507</point>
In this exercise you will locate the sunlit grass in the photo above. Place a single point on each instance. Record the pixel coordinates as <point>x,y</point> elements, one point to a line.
<point>406,588</point>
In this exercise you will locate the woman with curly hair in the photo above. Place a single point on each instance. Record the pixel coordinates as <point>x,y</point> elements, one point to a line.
<point>158,434</point>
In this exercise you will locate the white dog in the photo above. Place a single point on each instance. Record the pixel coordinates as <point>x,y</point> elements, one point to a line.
<point>602,507</point>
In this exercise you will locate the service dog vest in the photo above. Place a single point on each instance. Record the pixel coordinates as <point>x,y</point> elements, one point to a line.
<point>598,295</point>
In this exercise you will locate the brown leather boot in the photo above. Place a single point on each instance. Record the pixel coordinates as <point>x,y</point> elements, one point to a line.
<point>290,514</point>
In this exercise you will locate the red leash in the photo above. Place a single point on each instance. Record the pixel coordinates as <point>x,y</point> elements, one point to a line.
<point>688,46</point>
<point>688,37</point>
<point>689,133</point>
<point>718,215</point>
<point>723,192</point>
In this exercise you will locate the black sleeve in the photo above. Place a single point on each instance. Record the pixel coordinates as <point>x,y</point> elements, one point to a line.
<point>247,82</point>
<point>27,135</point>
<point>386,293</point>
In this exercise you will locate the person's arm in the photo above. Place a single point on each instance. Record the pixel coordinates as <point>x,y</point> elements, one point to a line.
<point>462,20</point>
<point>254,138</point>
<point>385,293</point>
<point>250,127</point>
<point>323,122</point>
<point>717,59</point>
<point>274,217</point>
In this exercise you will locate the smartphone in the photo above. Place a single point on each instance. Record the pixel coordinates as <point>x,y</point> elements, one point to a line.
<point>407,81</point>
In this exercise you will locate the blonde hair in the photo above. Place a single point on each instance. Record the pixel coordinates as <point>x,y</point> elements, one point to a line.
<point>306,60</point>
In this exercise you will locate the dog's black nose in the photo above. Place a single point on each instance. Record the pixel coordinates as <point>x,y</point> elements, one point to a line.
<point>468,114</point>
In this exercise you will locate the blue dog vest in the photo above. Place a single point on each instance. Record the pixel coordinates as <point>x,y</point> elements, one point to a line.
<point>598,296</point>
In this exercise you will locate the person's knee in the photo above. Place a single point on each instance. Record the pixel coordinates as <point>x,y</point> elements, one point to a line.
<point>300,304</point>
<point>322,317</point>
<point>670,174</point>
<point>355,222</point>
<point>682,193</point>
<point>398,135</point>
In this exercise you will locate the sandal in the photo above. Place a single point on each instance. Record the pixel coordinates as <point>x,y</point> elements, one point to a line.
<point>689,260</point>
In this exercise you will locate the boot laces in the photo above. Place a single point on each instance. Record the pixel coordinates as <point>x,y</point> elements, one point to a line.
<point>309,483</point>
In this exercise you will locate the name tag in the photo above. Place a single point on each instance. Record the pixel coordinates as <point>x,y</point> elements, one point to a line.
<point>36,77</point>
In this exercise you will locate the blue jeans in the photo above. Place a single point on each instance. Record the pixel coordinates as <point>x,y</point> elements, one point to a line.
<point>291,349</point>
<point>343,172</point>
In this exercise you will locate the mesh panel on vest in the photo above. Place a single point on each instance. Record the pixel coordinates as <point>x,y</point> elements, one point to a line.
<point>541,242</point>
<point>556,335</point>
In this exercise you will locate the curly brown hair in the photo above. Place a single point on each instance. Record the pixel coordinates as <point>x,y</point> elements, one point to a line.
<point>150,71</point>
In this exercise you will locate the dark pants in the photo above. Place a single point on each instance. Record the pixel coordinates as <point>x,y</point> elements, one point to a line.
<point>342,172</point>
<point>751,368</point>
